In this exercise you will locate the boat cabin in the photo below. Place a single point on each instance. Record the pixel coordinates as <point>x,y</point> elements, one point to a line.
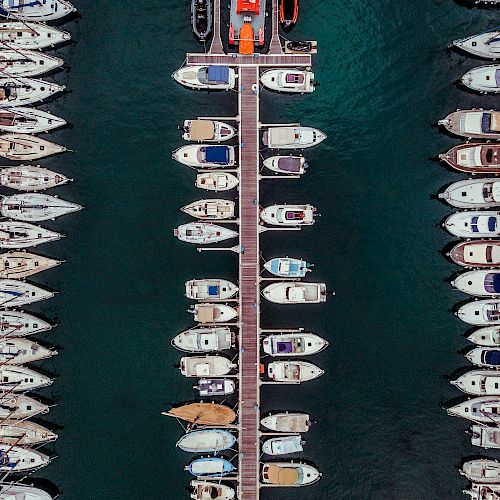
<point>214,75</point>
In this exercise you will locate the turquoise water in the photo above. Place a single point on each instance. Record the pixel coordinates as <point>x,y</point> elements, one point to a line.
<point>385,77</point>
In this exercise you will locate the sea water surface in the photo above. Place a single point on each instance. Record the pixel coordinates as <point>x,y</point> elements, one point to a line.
<point>385,76</point>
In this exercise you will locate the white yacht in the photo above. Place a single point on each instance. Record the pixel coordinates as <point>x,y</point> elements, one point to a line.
<point>288,215</point>
<point>204,339</point>
<point>25,35</point>
<point>27,63</point>
<point>20,407</point>
<point>483,409</point>
<point>24,433</point>
<point>479,382</point>
<point>483,491</point>
<point>207,131</point>
<point>28,120</point>
<point>481,470</point>
<point>36,11</point>
<point>480,283</point>
<point>20,459</point>
<point>206,441</point>
<point>205,156</point>
<point>292,165</point>
<point>210,289</point>
<point>216,181</point>
<point>295,293</point>
<point>21,379</point>
<point>486,357</point>
<point>473,123</point>
<point>293,372</point>
<point>485,437</point>
<point>485,45</point>
<point>203,233</point>
<point>14,234</point>
<point>476,253</point>
<point>289,474</point>
<point>287,422</point>
<point>18,491</point>
<point>31,178</point>
<point>207,490</point>
<point>488,336</point>
<point>287,267</point>
<point>20,324</point>
<point>295,137</point>
<point>473,194</point>
<point>473,224</point>
<point>483,79</point>
<point>289,80</point>
<point>18,351</point>
<point>206,366</point>
<point>206,77</point>
<point>285,445</point>
<point>20,91</point>
<point>209,387</point>
<point>480,312</point>
<point>293,344</point>
<point>213,313</point>
<point>210,209</point>
<point>25,147</point>
<point>19,265</point>
<point>15,293</point>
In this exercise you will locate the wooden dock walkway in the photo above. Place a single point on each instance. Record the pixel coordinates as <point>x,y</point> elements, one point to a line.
<point>216,45</point>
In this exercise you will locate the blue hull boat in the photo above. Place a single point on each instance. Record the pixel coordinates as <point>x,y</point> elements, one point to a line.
<point>210,467</point>
<point>286,267</point>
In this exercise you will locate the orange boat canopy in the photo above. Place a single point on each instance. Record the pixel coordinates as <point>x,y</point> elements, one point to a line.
<point>247,6</point>
<point>246,39</point>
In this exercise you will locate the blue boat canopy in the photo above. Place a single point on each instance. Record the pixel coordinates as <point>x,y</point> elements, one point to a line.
<point>492,282</point>
<point>492,357</point>
<point>217,154</point>
<point>213,290</point>
<point>492,224</point>
<point>218,74</point>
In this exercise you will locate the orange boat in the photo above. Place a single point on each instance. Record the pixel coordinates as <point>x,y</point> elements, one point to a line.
<point>243,13</point>
<point>203,414</point>
<point>289,13</point>
<point>246,39</point>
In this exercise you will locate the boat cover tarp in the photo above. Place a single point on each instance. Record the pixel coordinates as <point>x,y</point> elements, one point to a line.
<point>204,414</point>
<point>213,290</point>
<point>497,77</point>
<point>492,282</point>
<point>284,476</point>
<point>289,164</point>
<point>206,314</point>
<point>495,121</point>
<point>202,130</point>
<point>492,223</point>
<point>284,347</point>
<point>217,154</point>
<point>492,357</point>
<point>281,136</point>
<point>218,74</point>
<point>247,39</point>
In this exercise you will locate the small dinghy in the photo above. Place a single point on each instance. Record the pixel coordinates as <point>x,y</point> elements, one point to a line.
<point>484,79</point>
<point>214,289</point>
<point>473,193</point>
<point>211,209</point>
<point>289,13</point>
<point>13,491</point>
<point>205,490</point>
<point>285,445</point>
<point>210,467</point>
<point>479,383</point>
<point>35,207</point>
<point>24,433</point>
<point>292,137</point>
<point>203,233</point>
<point>288,215</point>
<point>481,471</point>
<point>207,131</point>
<point>484,409</point>
<point>203,339</point>
<point>295,293</point>
<point>216,181</point>
<point>20,324</point>
<point>203,414</point>
<point>15,234</point>
<point>294,165</point>
<point>488,357</point>
<point>474,158</point>
<point>483,492</point>
<point>23,91</point>
<point>293,372</point>
<point>287,422</point>
<point>27,63</point>
<point>289,80</point>
<point>205,156</point>
<point>18,351</point>
<point>473,224</point>
<point>206,366</point>
<point>478,253</point>
<point>488,336</point>
<point>201,18</point>
<point>28,120</point>
<point>15,293</point>
<point>478,283</point>
<point>287,474</point>
<point>18,459</point>
<point>213,313</point>
<point>21,379</point>
<point>480,312</point>
<point>485,437</point>
<point>208,387</point>
<point>473,123</point>
<point>206,441</point>
<point>206,77</point>
<point>22,35</point>
<point>300,47</point>
<point>18,406</point>
<point>27,147</point>
<point>36,10</point>
<point>29,178</point>
<point>18,265</point>
<point>286,267</point>
<point>485,45</point>
<point>293,344</point>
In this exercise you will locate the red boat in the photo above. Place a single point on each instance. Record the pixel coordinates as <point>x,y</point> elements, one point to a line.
<point>474,157</point>
<point>289,13</point>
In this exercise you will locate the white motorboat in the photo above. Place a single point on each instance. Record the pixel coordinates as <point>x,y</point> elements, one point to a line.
<point>210,467</point>
<point>211,209</point>
<point>18,459</point>
<point>483,409</point>
<point>37,10</point>
<point>206,77</point>
<point>15,293</point>
<point>485,45</point>
<point>30,178</point>
<point>207,131</point>
<point>20,324</point>
<point>23,35</point>
<point>287,422</point>
<point>487,357</point>
<point>206,490</point>
<point>203,339</point>
<point>210,289</point>
<point>488,336</point>
<point>473,224</point>
<point>473,193</point>
<point>474,157</point>
<point>285,445</point>
<point>293,372</point>
<point>28,120</point>
<point>27,63</point>
<point>481,471</point>
<point>20,407</point>
<point>480,312</point>
<point>20,91</point>
<point>483,491</point>
<point>206,366</point>
<point>479,283</point>
<point>295,293</point>
<point>293,344</point>
<point>213,313</point>
<point>206,441</point>
<point>294,165</point>
<point>203,233</point>
<point>476,253</point>
<point>27,147</point>
<point>205,156</point>
<point>14,234</point>
<point>216,181</point>
<point>289,80</point>
<point>484,79</point>
<point>18,351</point>
<point>286,267</point>
<point>288,215</point>
<point>209,387</point>
<point>24,433</point>
<point>18,491</point>
<point>479,382</point>
<point>18,265</point>
<point>288,474</point>
<point>473,123</point>
<point>485,437</point>
<point>21,379</point>
<point>295,137</point>
<point>35,207</point>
